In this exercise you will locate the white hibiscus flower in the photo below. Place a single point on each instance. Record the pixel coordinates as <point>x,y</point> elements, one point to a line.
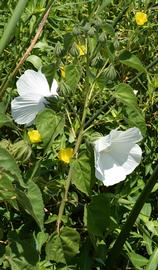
<point>117,155</point>
<point>32,88</point>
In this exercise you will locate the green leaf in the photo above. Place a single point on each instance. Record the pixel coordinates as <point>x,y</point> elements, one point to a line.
<point>7,191</point>
<point>136,118</point>
<point>50,125</point>
<point>152,84</point>
<point>72,75</point>
<point>7,163</point>
<point>132,61</point>
<point>145,212</point>
<point>2,107</point>
<point>5,120</point>
<point>62,248</point>
<point>21,251</point>
<point>137,260</point>
<point>153,261</point>
<point>68,267</point>
<point>109,29</point>
<point>81,174</point>
<point>98,215</point>
<point>41,239</point>
<point>11,25</point>
<point>35,61</point>
<point>32,202</point>
<point>125,94</point>
<point>85,260</point>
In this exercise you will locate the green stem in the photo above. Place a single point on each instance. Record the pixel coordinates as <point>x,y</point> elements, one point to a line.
<point>124,234</point>
<point>10,27</point>
<point>120,15</point>
<point>77,146</point>
<point>68,181</point>
<point>153,63</point>
<point>99,111</point>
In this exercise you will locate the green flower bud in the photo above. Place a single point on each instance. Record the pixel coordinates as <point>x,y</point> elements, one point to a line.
<point>87,27</point>
<point>97,22</point>
<point>21,151</point>
<point>110,72</point>
<point>58,49</point>
<point>77,30</point>
<point>102,37</point>
<point>74,50</point>
<point>91,31</point>
<point>96,60</point>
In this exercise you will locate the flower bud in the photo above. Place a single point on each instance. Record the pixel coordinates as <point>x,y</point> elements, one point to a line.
<point>77,30</point>
<point>102,37</point>
<point>74,50</point>
<point>66,154</point>
<point>58,49</point>
<point>87,27</point>
<point>21,151</point>
<point>91,31</point>
<point>97,22</point>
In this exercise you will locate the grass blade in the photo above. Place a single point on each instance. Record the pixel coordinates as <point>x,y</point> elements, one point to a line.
<point>10,27</point>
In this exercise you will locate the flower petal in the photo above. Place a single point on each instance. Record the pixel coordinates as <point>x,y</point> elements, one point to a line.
<point>117,155</point>
<point>131,135</point>
<point>32,82</point>
<point>54,88</point>
<point>102,143</point>
<point>25,109</point>
<point>133,160</point>
<point>107,170</point>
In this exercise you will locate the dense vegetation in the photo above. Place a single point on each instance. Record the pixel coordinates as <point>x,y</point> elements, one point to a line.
<point>55,213</point>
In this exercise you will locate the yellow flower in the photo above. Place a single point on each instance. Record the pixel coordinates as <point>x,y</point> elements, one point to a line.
<point>66,154</point>
<point>140,18</point>
<point>34,136</point>
<point>82,49</point>
<point>62,70</point>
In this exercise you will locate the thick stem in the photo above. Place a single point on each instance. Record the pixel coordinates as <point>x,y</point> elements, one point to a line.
<point>124,234</point>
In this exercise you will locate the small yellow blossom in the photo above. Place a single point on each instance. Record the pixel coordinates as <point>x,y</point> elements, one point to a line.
<point>82,49</point>
<point>34,136</point>
<point>62,70</point>
<point>140,18</point>
<point>66,154</point>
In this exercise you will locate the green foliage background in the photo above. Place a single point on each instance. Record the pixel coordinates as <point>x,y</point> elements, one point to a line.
<point>121,58</point>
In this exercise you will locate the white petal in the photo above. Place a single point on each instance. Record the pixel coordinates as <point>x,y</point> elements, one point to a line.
<point>54,88</point>
<point>25,109</point>
<point>114,176</point>
<point>102,143</point>
<point>117,155</point>
<point>133,160</point>
<point>32,82</point>
<point>131,135</point>
<point>107,170</point>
